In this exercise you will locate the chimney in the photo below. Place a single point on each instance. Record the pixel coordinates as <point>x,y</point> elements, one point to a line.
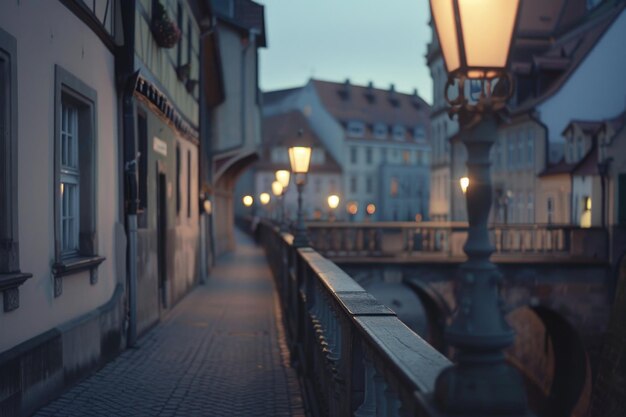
<point>369,93</point>
<point>393,98</point>
<point>345,90</point>
<point>415,99</point>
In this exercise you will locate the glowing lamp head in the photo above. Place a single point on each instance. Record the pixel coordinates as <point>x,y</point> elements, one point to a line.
<point>264,198</point>
<point>248,200</point>
<point>299,158</point>
<point>352,208</point>
<point>282,176</point>
<point>208,206</point>
<point>475,35</point>
<point>370,209</point>
<point>277,188</point>
<point>333,201</point>
<point>464,182</point>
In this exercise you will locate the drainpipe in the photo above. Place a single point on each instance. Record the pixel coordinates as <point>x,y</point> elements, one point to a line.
<point>126,74</point>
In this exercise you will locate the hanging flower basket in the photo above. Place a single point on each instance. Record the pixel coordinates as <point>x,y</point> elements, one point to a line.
<point>165,32</point>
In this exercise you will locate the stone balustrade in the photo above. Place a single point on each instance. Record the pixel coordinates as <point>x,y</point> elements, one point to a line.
<point>356,357</point>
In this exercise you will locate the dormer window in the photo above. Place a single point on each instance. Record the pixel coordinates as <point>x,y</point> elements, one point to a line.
<point>399,132</point>
<point>419,133</point>
<point>356,129</point>
<point>380,131</point>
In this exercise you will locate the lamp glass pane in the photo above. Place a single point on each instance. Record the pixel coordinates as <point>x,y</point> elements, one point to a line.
<point>282,176</point>
<point>299,157</point>
<point>487,31</point>
<point>277,188</point>
<point>443,14</point>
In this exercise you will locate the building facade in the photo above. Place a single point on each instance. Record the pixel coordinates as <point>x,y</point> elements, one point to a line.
<point>379,137</point>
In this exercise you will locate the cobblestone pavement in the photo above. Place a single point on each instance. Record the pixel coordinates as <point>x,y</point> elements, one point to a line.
<point>220,352</point>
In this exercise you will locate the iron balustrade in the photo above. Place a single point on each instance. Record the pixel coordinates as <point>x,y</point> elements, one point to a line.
<point>354,355</point>
<point>446,240</point>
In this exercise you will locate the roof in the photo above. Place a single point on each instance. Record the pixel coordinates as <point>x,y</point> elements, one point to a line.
<point>272,97</point>
<point>558,62</point>
<point>587,127</point>
<point>281,130</point>
<point>244,15</point>
<point>559,168</point>
<point>347,102</point>
<point>589,164</point>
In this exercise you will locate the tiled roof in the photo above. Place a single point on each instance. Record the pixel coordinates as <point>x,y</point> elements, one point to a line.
<point>282,130</point>
<point>348,102</point>
<point>560,167</point>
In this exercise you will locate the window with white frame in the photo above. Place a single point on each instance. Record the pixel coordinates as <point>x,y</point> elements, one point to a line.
<point>70,179</point>
<point>399,132</point>
<point>419,133</point>
<point>75,177</point>
<point>380,131</point>
<point>355,129</point>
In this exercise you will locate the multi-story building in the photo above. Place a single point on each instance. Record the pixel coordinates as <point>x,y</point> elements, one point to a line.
<point>556,51</point>
<point>379,137</point>
<point>102,116</point>
<point>235,122</point>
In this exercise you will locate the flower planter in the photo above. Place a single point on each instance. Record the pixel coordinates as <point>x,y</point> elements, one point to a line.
<point>165,32</point>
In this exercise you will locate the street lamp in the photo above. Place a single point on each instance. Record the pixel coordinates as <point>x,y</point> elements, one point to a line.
<point>282,176</point>
<point>247,200</point>
<point>264,198</point>
<point>299,158</point>
<point>464,182</point>
<point>333,203</point>
<point>475,38</point>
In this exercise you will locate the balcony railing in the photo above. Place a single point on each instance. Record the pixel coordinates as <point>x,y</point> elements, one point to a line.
<point>356,357</point>
<point>446,240</point>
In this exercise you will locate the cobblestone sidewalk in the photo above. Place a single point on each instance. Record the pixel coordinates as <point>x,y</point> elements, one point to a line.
<point>219,352</point>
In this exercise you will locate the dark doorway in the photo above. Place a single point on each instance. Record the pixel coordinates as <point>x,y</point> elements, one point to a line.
<point>162,236</point>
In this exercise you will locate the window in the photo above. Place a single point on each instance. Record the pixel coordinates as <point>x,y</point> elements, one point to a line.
<point>353,155</point>
<point>178,187</point>
<point>399,132</point>
<point>580,149</point>
<point>10,276</point>
<point>406,157</point>
<point>142,145</point>
<point>419,133</point>
<point>75,177</point>
<point>188,184</point>
<point>530,148</point>
<point>550,207</point>
<point>419,155</point>
<point>356,129</point>
<point>368,155</point>
<point>353,184</point>
<point>393,187</point>
<point>380,131</point>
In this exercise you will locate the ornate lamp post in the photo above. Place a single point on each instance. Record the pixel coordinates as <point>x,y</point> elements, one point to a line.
<point>475,38</point>
<point>333,203</point>
<point>282,176</point>
<point>299,158</point>
<point>277,190</point>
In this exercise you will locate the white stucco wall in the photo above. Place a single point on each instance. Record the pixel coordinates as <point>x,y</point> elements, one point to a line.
<point>48,33</point>
<point>597,88</point>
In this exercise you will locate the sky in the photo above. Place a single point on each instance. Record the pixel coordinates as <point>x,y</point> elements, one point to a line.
<point>383,41</point>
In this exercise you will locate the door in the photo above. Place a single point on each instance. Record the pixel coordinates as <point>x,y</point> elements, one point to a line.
<point>162,236</point>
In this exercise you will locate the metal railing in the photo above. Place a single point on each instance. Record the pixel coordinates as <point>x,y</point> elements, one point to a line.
<point>355,356</point>
<point>445,239</point>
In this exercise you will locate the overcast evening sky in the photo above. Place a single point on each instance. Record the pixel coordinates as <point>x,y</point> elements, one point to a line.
<point>383,41</point>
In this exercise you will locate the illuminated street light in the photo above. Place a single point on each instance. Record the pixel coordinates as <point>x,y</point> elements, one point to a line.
<point>282,176</point>
<point>299,158</point>
<point>333,201</point>
<point>277,188</point>
<point>248,200</point>
<point>264,198</point>
<point>475,38</point>
<point>464,184</point>
<point>370,209</point>
<point>208,206</point>
<point>352,208</point>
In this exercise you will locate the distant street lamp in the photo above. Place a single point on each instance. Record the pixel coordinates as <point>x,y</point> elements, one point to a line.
<point>247,200</point>
<point>370,209</point>
<point>352,208</point>
<point>299,158</point>
<point>464,182</point>
<point>264,198</point>
<point>333,203</point>
<point>282,176</point>
<point>475,38</point>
